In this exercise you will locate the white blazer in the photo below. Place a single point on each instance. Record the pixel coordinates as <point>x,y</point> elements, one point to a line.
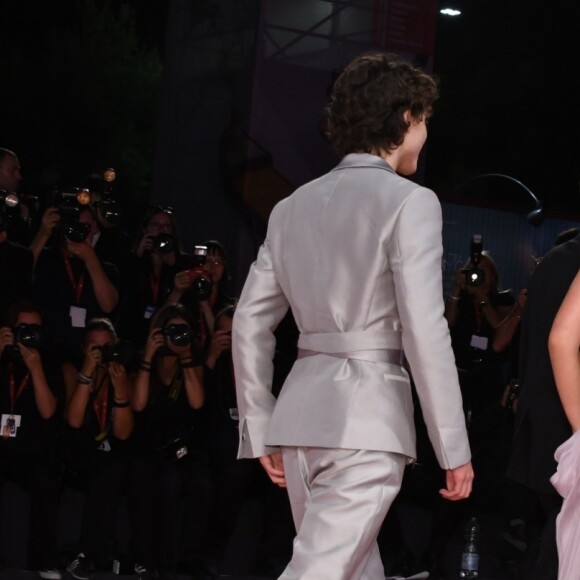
<point>357,256</point>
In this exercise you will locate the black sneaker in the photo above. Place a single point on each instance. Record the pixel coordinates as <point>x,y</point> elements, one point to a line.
<point>82,568</point>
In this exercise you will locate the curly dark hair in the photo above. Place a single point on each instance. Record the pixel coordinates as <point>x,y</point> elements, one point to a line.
<point>366,109</point>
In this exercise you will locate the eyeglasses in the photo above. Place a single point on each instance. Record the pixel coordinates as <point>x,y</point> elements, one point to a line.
<point>214,262</point>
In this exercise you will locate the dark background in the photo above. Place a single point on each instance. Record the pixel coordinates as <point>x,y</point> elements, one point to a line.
<point>83,84</point>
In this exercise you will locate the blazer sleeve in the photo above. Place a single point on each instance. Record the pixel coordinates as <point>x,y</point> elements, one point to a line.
<point>261,307</point>
<point>416,260</point>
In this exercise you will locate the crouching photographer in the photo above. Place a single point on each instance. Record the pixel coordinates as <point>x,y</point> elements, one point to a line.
<point>100,417</point>
<point>30,391</point>
<point>170,483</point>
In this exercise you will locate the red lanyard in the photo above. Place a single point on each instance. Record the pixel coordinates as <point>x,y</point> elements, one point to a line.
<point>12,385</point>
<point>101,403</point>
<point>76,285</point>
<point>154,287</point>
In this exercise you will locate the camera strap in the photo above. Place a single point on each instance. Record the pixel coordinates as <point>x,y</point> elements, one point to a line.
<point>101,406</point>
<point>77,285</point>
<point>154,281</point>
<point>14,394</point>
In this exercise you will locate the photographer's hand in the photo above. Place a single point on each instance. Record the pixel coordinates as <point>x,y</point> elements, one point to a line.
<point>120,381</point>
<point>91,360</point>
<point>182,281</point>
<point>6,338</point>
<point>50,219</point>
<point>145,245</point>
<point>155,340</point>
<point>220,342</point>
<point>44,397</point>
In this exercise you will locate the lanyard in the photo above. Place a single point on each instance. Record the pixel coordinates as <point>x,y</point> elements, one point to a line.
<point>154,279</point>
<point>77,285</point>
<point>14,394</point>
<point>101,403</point>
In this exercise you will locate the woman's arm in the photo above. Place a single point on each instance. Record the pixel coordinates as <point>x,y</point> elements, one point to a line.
<point>123,422</point>
<point>79,384</point>
<point>563,345</point>
<point>140,395</point>
<point>43,396</point>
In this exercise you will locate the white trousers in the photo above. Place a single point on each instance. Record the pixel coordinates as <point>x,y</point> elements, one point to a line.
<point>339,499</point>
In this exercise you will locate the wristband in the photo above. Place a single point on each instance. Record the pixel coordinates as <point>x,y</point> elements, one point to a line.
<point>187,365</point>
<point>145,368</point>
<point>121,404</point>
<point>84,380</point>
<point>454,298</point>
<point>483,304</point>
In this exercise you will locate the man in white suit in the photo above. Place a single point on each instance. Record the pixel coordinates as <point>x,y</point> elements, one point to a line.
<point>357,255</point>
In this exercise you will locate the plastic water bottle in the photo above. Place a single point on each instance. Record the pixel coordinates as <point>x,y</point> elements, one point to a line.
<point>470,555</point>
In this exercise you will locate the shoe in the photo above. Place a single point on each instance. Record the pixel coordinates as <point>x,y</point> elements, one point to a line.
<point>50,574</point>
<point>81,568</point>
<point>144,573</point>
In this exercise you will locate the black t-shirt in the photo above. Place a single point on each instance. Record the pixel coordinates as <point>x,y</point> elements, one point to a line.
<point>33,433</point>
<point>168,421</point>
<point>57,289</point>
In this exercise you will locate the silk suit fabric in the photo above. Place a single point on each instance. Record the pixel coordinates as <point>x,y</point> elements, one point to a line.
<point>357,256</point>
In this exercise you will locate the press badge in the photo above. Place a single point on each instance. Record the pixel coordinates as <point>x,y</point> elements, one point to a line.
<point>9,425</point>
<point>479,342</point>
<point>78,316</point>
<point>149,312</point>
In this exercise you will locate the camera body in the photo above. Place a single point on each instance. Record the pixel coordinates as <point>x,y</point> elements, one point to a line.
<point>119,352</point>
<point>178,334</point>
<point>475,276</point>
<point>30,335</point>
<point>164,243</point>
<point>201,287</point>
<point>69,203</point>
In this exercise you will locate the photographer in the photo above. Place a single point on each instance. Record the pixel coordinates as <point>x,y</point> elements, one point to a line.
<point>150,274</point>
<point>474,313</point>
<point>30,391</point>
<point>99,413</point>
<point>70,281</point>
<point>170,449</point>
<point>206,302</point>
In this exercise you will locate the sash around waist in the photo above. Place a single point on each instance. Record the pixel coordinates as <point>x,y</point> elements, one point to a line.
<point>386,355</point>
<point>349,342</point>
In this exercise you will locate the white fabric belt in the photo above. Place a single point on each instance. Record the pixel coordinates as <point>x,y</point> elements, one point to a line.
<point>386,355</point>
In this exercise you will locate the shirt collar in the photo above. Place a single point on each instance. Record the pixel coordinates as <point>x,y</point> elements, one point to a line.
<point>363,160</point>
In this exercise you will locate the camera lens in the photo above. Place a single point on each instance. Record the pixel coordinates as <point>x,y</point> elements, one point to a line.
<point>178,334</point>
<point>29,335</point>
<point>164,243</point>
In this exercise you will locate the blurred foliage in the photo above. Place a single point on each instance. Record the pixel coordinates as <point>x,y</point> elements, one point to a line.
<point>79,92</point>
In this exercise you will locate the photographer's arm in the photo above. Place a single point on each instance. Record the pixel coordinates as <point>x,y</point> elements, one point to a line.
<point>78,386</point>
<point>193,378</point>
<point>181,283</point>
<point>140,396</point>
<point>43,396</point>
<point>123,421</point>
<point>105,291</point>
<point>452,305</point>
<point>507,329</point>
<point>49,220</point>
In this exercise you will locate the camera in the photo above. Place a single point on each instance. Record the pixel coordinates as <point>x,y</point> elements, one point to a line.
<point>69,203</point>
<point>474,276</point>
<point>200,285</point>
<point>120,352</point>
<point>106,204</point>
<point>178,334</point>
<point>29,335</point>
<point>175,449</point>
<point>164,243</point>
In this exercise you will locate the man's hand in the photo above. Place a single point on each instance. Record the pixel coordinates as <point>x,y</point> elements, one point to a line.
<point>459,483</point>
<point>274,468</point>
